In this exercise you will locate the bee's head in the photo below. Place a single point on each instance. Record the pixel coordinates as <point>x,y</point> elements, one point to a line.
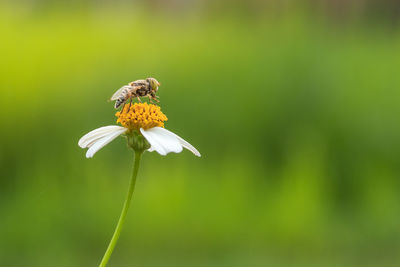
<point>154,84</point>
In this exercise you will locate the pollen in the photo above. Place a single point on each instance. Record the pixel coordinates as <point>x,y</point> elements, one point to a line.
<point>141,115</point>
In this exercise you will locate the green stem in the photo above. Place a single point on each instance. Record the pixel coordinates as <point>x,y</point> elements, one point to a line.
<point>117,232</point>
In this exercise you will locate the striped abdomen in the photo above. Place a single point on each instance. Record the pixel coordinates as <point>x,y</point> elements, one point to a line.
<point>125,95</point>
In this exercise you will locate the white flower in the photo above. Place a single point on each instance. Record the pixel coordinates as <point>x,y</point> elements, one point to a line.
<point>141,119</point>
<point>160,139</point>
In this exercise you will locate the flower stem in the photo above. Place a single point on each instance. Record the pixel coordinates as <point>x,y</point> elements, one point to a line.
<point>117,232</point>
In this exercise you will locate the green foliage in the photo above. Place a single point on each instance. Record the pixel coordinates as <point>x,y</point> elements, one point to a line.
<point>296,121</point>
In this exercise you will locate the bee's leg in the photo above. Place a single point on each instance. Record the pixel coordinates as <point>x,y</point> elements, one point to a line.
<point>155,97</point>
<point>150,98</point>
<point>122,109</point>
<point>130,103</point>
<point>139,99</point>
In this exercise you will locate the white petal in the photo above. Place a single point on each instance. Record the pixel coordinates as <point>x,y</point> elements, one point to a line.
<point>90,138</point>
<point>162,140</point>
<point>100,143</point>
<point>188,146</point>
<point>165,132</point>
<point>185,144</point>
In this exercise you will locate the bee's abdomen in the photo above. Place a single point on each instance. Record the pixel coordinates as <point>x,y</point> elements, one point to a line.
<point>117,104</point>
<point>120,101</point>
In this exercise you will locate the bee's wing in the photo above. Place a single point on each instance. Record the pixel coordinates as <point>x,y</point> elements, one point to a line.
<point>118,92</point>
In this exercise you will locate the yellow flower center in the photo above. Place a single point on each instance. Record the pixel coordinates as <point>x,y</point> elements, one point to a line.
<point>141,115</point>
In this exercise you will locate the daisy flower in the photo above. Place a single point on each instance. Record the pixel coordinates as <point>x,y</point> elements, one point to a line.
<point>143,126</point>
<point>138,120</point>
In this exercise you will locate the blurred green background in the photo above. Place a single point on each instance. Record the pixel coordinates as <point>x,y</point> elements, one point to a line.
<point>294,106</point>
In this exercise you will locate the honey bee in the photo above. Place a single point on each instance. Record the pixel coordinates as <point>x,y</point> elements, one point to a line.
<point>139,88</point>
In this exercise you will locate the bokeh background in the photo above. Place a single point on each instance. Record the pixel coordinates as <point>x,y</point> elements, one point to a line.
<point>294,106</point>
